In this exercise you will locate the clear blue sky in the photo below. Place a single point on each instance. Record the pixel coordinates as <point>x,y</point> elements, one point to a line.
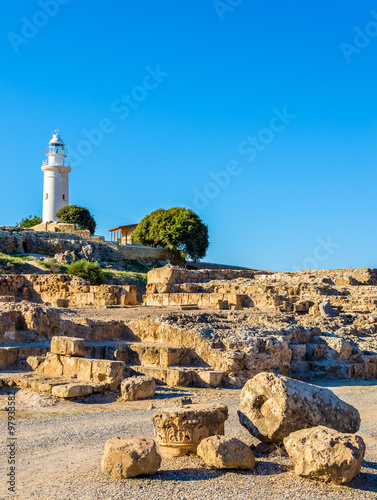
<point>299,191</point>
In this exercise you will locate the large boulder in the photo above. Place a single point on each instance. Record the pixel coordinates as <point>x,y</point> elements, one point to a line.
<point>324,454</point>
<point>125,458</point>
<point>134,388</point>
<point>226,453</point>
<point>273,406</point>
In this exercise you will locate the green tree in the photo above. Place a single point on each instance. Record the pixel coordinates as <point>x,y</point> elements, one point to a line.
<point>32,220</point>
<point>89,271</point>
<point>80,216</point>
<point>178,229</point>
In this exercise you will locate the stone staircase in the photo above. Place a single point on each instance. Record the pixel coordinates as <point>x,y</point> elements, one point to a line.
<point>178,357</point>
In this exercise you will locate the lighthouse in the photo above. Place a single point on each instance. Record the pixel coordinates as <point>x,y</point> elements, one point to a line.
<point>55,183</point>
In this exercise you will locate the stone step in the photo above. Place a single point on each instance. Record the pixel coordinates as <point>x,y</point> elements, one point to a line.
<point>142,353</point>
<point>11,355</point>
<point>137,353</point>
<point>45,383</point>
<point>316,351</point>
<point>335,369</point>
<point>159,355</point>
<point>181,376</point>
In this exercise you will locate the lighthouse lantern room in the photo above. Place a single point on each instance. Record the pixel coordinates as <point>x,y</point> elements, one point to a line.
<point>55,183</point>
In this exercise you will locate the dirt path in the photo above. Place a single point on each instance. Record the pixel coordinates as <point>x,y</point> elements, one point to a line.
<point>60,449</point>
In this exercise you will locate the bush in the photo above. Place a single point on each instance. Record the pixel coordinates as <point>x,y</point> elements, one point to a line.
<point>32,220</point>
<point>89,271</point>
<point>80,216</point>
<point>178,229</point>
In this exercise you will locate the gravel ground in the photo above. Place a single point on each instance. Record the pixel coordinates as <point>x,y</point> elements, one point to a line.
<point>59,456</point>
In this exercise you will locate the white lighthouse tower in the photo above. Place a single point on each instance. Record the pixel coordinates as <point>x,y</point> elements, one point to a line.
<point>55,182</point>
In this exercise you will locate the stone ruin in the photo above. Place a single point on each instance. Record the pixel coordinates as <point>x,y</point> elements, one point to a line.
<point>302,324</point>
<point>315,426</point>
<point>62,290</point>
<point>247,329</point>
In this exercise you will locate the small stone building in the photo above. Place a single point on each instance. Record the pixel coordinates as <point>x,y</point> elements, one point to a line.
<point>123,234</point>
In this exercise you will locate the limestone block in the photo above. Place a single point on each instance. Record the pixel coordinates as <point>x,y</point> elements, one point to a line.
<point>60,302</point>
<point>208,378</point>
<point>180,430</point>
<point>122,353</point>
<point>273,406</point>
<point>175,377</point>
<point>188,307</point>
<point>80,368</point>
<point>325,454</point>
<point>171,355</point>
<point>226,453</point>
<point>340,346</point>
<point>134,388</point>
<point>111,372</point>
<point>68,346</point>
<point>34,361</point>
<point>326,310</point>
<point>8,356</point>
<point>235,299</point>
<point>371,361</point>
<point>125,458</point>
<point>51,365</point>
<point>71,390</point>
<point>222,304</point>
<point>145,355</point>
<point>40,386</point>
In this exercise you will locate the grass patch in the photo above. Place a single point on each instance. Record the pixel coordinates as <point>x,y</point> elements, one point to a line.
<point>115,277</point>
<point>44,264</point>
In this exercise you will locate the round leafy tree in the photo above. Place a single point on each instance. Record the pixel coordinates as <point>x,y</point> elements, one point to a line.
<point>178,229</point>
<point>89,271</point>
<point>32,220</point>
<point>80,216</point>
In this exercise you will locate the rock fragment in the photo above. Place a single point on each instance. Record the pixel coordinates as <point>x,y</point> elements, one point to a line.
<point>125,458</point>
<point>325,454</point>
<point>326,310</point>
<point>226,453</point>
<point>134,388</point>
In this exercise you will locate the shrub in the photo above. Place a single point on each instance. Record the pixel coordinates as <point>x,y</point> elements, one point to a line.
<point>80,216</point>
<point>178,229</point>
<point>89,271</point>
<point>32,220</point>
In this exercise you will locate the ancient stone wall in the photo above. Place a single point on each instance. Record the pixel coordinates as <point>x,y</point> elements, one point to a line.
<point>296,292</point>
<point>135,252</point>
<point>169,274</point>
<point>203,300</point>
<point>20,241</point>
<point>60,227</point>
<point>61,290</point>
<point>28,322</point>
